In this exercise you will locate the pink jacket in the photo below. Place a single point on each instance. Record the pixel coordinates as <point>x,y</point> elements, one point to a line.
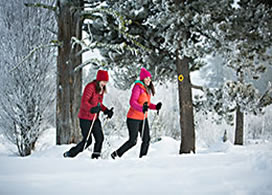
<point>138,97</point>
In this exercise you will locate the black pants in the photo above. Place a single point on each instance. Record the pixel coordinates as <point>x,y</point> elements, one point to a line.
<point>135,126</point>
<point>85,126</point>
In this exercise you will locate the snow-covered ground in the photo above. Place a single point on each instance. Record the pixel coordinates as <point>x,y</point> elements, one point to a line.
<point>220,169</point>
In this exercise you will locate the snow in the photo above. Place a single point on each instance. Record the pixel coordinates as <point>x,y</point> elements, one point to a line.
<point>220,169</point>
<point>235,4</point>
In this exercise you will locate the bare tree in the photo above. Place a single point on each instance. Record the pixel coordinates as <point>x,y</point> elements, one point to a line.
<point>26,93</point>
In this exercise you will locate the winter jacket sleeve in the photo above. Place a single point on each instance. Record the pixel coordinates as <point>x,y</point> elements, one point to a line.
<point>103,107</point>
<point>136,92</point>
<point>152,106</point>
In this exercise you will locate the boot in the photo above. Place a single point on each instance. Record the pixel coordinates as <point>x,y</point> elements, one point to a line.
<point>95,155</point>
<point>66,154</point>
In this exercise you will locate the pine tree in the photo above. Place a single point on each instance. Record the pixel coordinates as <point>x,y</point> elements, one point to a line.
<point>245,43</point>
<point>243,40</point>
<point>177,35</point>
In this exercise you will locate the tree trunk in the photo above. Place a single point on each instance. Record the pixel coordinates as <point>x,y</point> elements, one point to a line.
<point>239,129</point>
<point>68,82</point>
<point>186,107</point>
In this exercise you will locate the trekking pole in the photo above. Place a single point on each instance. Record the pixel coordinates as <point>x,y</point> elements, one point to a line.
<point>145,114</point>
<point>89,133</point>
<point>143,127</point>
<point>94,118</point>
<point>107,141</point>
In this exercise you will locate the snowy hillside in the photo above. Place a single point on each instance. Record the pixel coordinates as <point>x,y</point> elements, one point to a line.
<point>220,169</point>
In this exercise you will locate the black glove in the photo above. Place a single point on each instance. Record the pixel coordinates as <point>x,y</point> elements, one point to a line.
<point>145,107</point>
<point>95,109</point>
<point>109,112</point>
<point>158,106</point>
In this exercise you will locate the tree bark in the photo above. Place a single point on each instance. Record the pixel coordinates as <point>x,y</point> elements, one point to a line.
<point>68,82</point>
<point>186,107</point>
<point>185,100</point>
<point>239,129</point>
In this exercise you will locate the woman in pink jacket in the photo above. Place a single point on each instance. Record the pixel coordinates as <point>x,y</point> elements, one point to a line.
<point>139,105</point>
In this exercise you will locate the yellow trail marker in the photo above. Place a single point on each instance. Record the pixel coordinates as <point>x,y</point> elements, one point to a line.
<point>180,77</point>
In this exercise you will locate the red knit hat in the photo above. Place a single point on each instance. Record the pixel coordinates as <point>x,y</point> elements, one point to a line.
<point>144,73</point>
<point>102,75</point>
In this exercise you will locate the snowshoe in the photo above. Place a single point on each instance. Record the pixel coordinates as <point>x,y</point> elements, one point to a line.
<point>114,155</point>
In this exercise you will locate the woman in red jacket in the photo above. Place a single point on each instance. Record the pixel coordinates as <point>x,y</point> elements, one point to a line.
<point>139,104</point>
<point>91,104</point>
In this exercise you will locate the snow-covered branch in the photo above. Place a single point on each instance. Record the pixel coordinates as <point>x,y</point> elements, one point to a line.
<point>25,58</point>
<point>41,5</point>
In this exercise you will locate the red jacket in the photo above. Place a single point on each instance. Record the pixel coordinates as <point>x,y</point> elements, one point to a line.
<point>90,99</point>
